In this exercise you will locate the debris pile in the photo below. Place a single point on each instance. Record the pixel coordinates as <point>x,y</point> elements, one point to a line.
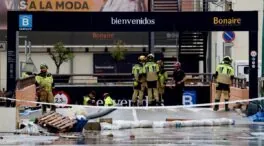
<point>56,122</point>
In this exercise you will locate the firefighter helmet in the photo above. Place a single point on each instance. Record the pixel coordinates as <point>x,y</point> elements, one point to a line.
<point>150,57</point>
<point>43,66</point>
<point>141,58</point>
<point>227,59</point>
<point>105,94</point>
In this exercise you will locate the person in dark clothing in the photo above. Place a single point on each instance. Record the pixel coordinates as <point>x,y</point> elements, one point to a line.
<point>178,79</point>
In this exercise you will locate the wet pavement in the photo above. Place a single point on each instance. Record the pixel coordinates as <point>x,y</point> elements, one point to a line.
<point>233,135</point>
<point>243,133</point>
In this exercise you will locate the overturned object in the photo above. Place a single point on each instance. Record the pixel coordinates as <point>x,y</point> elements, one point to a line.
<point>56,122</point>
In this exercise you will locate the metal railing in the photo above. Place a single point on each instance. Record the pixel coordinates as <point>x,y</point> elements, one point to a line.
<point>126,78</point>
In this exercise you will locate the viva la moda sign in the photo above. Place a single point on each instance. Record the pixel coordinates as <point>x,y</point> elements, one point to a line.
<point>76,5</point>
<point>70,6</point>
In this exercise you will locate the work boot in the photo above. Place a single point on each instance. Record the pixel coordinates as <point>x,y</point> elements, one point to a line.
<point>152,103</point>
<point>53,108</point>
<point>44,109</point>
<point>158,103</point>
<point>226,106</point>
<point>216,107</point>
<point>155,103</point>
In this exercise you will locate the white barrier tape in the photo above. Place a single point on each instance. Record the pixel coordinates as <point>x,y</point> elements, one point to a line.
<point>134,107</point>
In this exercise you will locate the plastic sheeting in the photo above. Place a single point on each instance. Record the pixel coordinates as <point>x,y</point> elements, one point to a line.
<point>118,125</point>
<point>258,117</point>
<point>31,128</point>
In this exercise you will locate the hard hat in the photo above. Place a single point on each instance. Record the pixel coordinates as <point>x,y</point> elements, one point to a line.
<point>43,65</point>
<point>227,59</point>
<point>105,94</point>
<point>150,57</point>
<point>141,58</point>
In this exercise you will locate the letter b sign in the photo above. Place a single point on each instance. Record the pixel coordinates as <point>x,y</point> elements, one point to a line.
<point>189,97</point>
<point>25,21</point>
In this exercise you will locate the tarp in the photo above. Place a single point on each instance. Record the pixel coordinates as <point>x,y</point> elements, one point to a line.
<point>258,117</point>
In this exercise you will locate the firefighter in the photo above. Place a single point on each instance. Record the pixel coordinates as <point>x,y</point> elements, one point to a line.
<point>138,80</point>
<point>108,101</point>
<point>151,70</point>
<point>224,75</point>
<point>44,81</point>
<point>90,99</point>
<point>163,77</point>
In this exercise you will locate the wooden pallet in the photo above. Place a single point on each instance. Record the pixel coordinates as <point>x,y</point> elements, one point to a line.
<point>56,122</point>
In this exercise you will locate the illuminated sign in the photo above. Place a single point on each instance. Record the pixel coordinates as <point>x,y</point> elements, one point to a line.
<point>226,21</point>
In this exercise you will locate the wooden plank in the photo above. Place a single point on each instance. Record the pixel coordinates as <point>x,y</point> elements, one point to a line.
<point>56,120</point>
<point>59,121</point>
<point>46,117</point>
<point>46,114</point>
<point>50,118</point>
<point>62,123</point>
<point>68,125</point>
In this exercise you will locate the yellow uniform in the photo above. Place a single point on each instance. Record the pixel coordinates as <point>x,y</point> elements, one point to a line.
<point>151,70</point>
<point>45,81</point>
<point>85,100</point>
<point>138,92</point>
<point>108,101</point>
<point>163,77</point>
<point>224,75</point>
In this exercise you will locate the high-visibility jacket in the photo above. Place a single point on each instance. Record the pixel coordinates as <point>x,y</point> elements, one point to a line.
<point>85,100</point>
<point>224,73</point>
<point>163,77</point>
<point>108,101</point>
<point>45,81</point>
<point>137,71</point>
<point>151,70</point>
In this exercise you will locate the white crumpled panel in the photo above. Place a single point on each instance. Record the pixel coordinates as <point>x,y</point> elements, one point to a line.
<point>123,124</point>
<point>145,124</point>
<point>159,124</point>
